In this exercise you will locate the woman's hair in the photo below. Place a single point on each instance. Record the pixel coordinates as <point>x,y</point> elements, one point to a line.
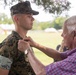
<point>70,24</point>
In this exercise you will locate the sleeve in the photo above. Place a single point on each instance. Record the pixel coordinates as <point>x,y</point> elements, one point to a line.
<point>8,53</point>
<point>5,63</point>
<point>64,54</point>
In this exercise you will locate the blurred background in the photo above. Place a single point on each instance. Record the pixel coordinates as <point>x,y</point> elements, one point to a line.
<point>47,27</point>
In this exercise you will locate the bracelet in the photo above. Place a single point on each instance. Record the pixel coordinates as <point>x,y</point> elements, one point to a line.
<point>27,51</point>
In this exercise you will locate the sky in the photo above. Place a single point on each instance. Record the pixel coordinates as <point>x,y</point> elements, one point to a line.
<point>43,16</point>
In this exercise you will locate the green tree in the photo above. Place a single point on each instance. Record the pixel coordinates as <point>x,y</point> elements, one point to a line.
<point>40,25</point>
<point>44,25</point>
<point>58,22</point>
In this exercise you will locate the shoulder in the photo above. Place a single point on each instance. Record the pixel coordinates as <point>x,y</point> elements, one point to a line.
<point>11,39</point>
<point>9,46</point>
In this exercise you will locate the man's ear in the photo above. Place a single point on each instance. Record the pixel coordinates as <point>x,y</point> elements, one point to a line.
<point>15,18</point>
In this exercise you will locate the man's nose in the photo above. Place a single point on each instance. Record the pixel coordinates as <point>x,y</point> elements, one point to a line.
<point>33,19</point>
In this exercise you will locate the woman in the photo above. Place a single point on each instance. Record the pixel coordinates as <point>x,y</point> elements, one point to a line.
<point>67,60</point>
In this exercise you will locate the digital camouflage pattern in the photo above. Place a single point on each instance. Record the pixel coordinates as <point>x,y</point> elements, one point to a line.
<point>23,8</point>
<point>20,64</point>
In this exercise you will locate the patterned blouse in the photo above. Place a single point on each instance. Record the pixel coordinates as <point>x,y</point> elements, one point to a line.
<point>63,67</point>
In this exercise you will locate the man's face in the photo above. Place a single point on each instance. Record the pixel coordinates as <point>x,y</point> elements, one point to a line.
<point>25,21</point>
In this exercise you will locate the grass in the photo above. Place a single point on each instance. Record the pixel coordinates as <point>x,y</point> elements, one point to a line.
<point>47,39</point>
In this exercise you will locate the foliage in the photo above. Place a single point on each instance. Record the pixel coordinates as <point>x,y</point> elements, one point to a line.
<point>44,25</point>
<point>54,6</point>
<point>40,25</point>
<point>56,23</point>
<point>51,6</point>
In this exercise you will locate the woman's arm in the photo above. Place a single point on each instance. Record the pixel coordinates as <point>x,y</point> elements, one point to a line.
<point>48,51</point>
<point>37,66</point>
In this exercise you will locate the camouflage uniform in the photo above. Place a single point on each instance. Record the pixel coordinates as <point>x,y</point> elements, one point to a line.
<point>19,62</point>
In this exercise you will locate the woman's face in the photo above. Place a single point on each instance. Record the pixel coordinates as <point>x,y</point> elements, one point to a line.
<point>67,37</point>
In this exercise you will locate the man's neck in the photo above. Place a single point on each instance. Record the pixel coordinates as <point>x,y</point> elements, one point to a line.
<point>22,33</point>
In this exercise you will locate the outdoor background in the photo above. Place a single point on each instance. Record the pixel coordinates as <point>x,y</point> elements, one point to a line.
<point>47,27</point>
<point>49,39</point>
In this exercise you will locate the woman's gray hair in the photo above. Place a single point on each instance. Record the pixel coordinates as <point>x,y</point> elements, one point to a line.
<point>70,23</point>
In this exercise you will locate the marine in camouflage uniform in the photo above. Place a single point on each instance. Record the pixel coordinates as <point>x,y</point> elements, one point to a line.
<point>16,61</point>
<point>11,59</point>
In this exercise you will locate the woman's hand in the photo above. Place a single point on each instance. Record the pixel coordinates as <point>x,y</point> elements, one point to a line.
<point>30,41</point>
